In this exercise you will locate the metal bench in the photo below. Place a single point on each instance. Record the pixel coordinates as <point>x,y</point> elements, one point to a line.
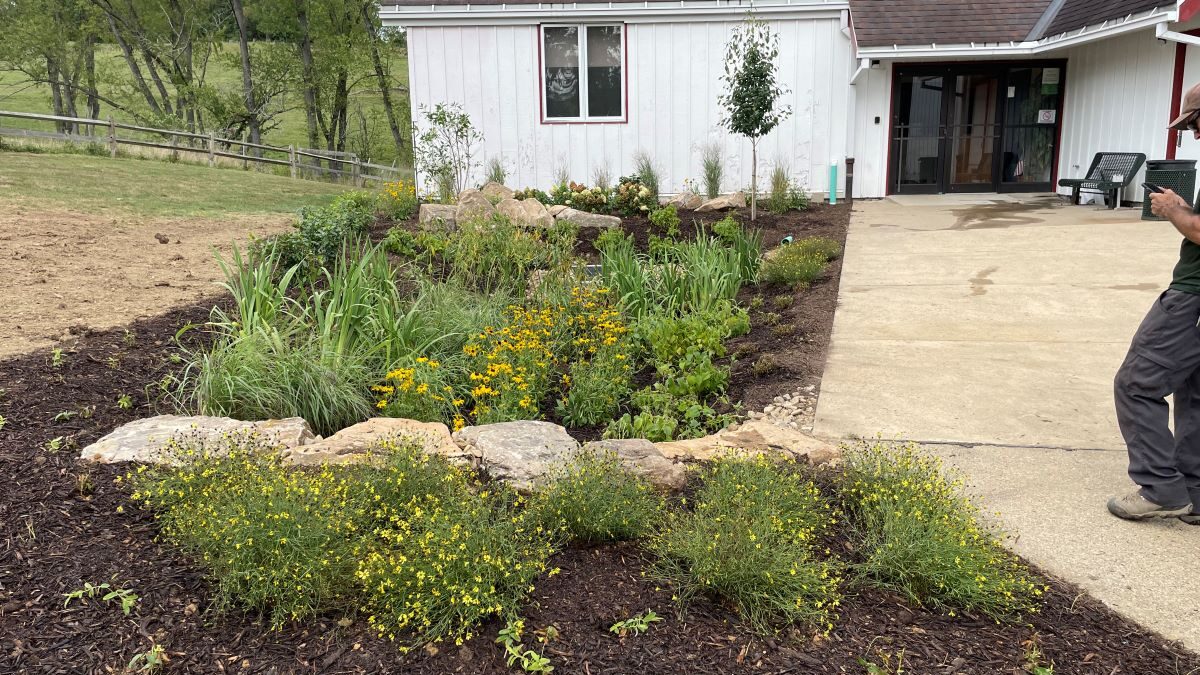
<point>1109,174</point>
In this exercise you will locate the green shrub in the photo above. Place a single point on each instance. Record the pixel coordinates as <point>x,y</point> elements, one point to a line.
<point>664,416</point>
<point>632,197</point>
<point>919,536</point>
<point>579,196</point>
<point>597,387</point>
<point>752,540</point>
<point>784,196</point>
<point>495,253</point>
<point>287,249</point>
<point>535,194</point>
<point>646,174</point>
<point>666,220</point>
<point>591,499</point>
<point>401,242</point>
<point>799,263</point>
<point>398,200</point>
<point>326,230</point>
<point>272,539</point>
<point>713,167</point>
<point>612,237</point>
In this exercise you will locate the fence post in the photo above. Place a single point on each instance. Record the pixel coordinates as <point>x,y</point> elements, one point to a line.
<point>245,162</point>
<point>112,137</point>
<point>212,142</point>
<point>356,171</point>
<point>174,148</point>
<point>292,159</point>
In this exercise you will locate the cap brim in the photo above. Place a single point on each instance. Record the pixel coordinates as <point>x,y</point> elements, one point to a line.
<point>1181,123</point>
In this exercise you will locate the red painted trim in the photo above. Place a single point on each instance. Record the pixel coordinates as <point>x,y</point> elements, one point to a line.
<point>1176,97</point>
<point>542,84</point>
<point>891,141</point>
<point>1188,9</point>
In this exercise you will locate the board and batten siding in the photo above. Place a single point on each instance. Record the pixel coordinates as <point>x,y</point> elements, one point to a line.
<point>1118,99</point>
<point>873,100</point>
<point>673,81</point>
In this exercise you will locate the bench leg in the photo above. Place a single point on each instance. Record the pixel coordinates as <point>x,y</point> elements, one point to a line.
<point>1116,198</point>
<point>1074,196</point>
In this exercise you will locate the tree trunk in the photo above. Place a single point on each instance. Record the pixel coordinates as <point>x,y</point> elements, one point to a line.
<point>310,85</point>
<point>139,80</point>
<point>753,179</point>
<point>89,64</point>
<point>252,111</point>
<point>385,88</point>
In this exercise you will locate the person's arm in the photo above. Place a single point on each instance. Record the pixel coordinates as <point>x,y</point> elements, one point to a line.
<point>1171,206</point>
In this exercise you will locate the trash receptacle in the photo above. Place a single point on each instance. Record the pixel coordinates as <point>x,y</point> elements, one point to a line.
<point>1177,174</point>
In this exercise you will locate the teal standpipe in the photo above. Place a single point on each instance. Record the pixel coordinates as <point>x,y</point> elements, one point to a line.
<point>833,183</point>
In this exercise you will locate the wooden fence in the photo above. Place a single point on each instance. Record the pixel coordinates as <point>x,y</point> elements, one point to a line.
<point>308,163</point>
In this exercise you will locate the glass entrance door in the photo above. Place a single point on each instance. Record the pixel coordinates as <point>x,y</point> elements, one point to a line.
<point>975,128</point>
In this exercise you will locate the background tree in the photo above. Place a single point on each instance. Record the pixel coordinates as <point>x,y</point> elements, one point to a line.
<point>752,94</point>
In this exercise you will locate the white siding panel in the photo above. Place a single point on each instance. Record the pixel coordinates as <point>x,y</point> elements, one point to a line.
<point>1117,100</point>
<point>673,84</point>
<point>872,99</point>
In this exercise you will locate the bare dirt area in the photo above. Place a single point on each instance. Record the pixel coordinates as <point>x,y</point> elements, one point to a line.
<point>66,271</point>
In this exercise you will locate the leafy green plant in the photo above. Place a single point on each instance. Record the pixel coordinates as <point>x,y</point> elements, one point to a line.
<point>752,540</point>
<point>327,230</point>
<point>750,100</point>
<point>515,653</point>
<point>666,220</point>
<point>125,402</point>
<point>149,661</point>
<point>579,196</point>
<point>56,357</point>
<point>647,174</point>
<point>65,415</point>
<point>632,197</point>
<point>55,444</point>
<point>126,598</point>
<point>635,625</point>
<point>398,200</point>
<point>885,665</point>
<point>590,498</point>
<point>799,263</point>
<point>712,165</point>
<point>611,237</point>
<point>920,537</point>
<point>784,195</point>
<point>444,146</point>
<point>597,388</point>
<point>533,193</point>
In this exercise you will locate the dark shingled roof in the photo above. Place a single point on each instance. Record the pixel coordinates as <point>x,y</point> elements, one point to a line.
<point>882,23</point>
<point>1076,14</point>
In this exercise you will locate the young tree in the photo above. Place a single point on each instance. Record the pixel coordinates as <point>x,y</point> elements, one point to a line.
<point>444,151</point>
<point>751,98</point>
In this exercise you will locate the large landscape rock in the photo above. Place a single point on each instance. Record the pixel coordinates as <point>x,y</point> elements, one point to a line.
<point>354,444</point>
<point>686,200</point>
<point>753,437</point>
<point>641,457</point>
<point>585,219</point>
<point>517,452</point>
<point>472,204</point>
<point>496,191</point>
<point>557,209</point>
<point>511,209</point>
<point>437,216</point>
<point>536,214</point>
<point>736,200</point>
<point>143,440</point>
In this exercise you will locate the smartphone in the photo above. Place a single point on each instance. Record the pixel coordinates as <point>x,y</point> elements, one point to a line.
<point>1151,187</point>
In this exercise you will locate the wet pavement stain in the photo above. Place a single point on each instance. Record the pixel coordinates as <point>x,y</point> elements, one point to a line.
<point>1000,215</point>
<point>1136,287</point>
<point>980,281</point>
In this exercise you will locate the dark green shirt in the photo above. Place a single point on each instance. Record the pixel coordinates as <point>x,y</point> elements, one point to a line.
<point>1186,276</point>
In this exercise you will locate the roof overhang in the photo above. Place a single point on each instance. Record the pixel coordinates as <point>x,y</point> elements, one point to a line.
<point>1092,33</point>
<point>646,11</point>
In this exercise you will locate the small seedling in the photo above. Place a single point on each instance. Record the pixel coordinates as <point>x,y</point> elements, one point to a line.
<point>885,666</point>
<point>65,416</point>
<point>130,338</point>
<point>782,301</point>
<point>635,625</point>
<point>783,329</point>
<point>125,402</point>
<point>126,597</point>
<point>55,444</point>
<point>56,357</point>
<point>113,362</point>
<point>87,411</point>
<point>771,318</point>
<point>1033,659</point>
<point>148,661</point>
<point>84,485</point>
<point>756,303</point>
<point>515,652</point>
<point>765,365</point>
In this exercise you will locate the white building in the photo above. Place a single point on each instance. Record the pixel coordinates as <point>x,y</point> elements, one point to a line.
<point>952,96</point>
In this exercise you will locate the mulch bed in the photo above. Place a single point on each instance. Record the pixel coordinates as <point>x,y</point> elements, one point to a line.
<point>64,522</point>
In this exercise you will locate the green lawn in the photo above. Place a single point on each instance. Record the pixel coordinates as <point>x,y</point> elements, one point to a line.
<point>151,187</point>
<point>19,96</point>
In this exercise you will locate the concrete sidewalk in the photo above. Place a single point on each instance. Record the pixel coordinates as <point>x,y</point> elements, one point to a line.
<point>991,327</point>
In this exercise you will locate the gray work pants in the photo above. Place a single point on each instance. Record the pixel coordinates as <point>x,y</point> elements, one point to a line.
<point>1163,359</point>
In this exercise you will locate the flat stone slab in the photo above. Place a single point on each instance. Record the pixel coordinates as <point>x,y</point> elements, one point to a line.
<point>736,200</point>
<point>518,453</point>
<point>753,437</point>
<point>642,458</point>
<point>355,444</point>
<point>585,219</point>
<point>143,440</point>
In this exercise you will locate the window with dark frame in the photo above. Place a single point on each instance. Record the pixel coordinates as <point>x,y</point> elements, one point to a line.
<point>583,78</point>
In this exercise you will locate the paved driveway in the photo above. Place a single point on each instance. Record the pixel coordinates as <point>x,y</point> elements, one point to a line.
<point>988,320</point>
<point>990,329</point>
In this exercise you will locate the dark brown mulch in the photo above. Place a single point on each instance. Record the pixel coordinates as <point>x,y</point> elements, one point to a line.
<point>63,523</point>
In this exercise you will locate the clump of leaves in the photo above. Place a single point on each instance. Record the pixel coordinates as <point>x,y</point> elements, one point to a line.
<point>635,625</point>
<point>666,220</point>
<point>591,498</point>
<point>712,165</point>
<point>800,262</point>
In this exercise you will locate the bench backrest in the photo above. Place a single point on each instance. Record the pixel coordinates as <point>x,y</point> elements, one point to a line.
<point>1106,165</point>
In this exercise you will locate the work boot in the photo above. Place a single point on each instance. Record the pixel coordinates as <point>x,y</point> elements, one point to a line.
<point>1134,506</point>
<point>1192,518</point>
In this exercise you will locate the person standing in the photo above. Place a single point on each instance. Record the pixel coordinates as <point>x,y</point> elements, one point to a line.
<point>1164,359</point>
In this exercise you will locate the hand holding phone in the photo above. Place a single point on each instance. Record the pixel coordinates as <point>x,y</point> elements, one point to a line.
<point>1151,187</point>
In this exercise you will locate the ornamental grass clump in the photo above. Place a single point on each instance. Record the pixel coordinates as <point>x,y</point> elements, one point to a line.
<point>495,253</point>
<point>919,536</point>
<point>800,262</point>
<point>590,499</point>
<point>753,540</point>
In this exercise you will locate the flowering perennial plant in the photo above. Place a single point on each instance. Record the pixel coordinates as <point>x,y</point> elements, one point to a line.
<point>753,540</point>
<point>582,197</point>
<point>922,538</point>
<point>398,200</point>
<point>632,197</point>
<point>590,498</point>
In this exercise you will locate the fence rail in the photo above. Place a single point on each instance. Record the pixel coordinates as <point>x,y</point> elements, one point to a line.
<point>306,163</point>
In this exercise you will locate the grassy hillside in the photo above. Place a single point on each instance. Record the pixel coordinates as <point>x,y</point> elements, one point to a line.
<point>19,96</point>
<point>150,187</point>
